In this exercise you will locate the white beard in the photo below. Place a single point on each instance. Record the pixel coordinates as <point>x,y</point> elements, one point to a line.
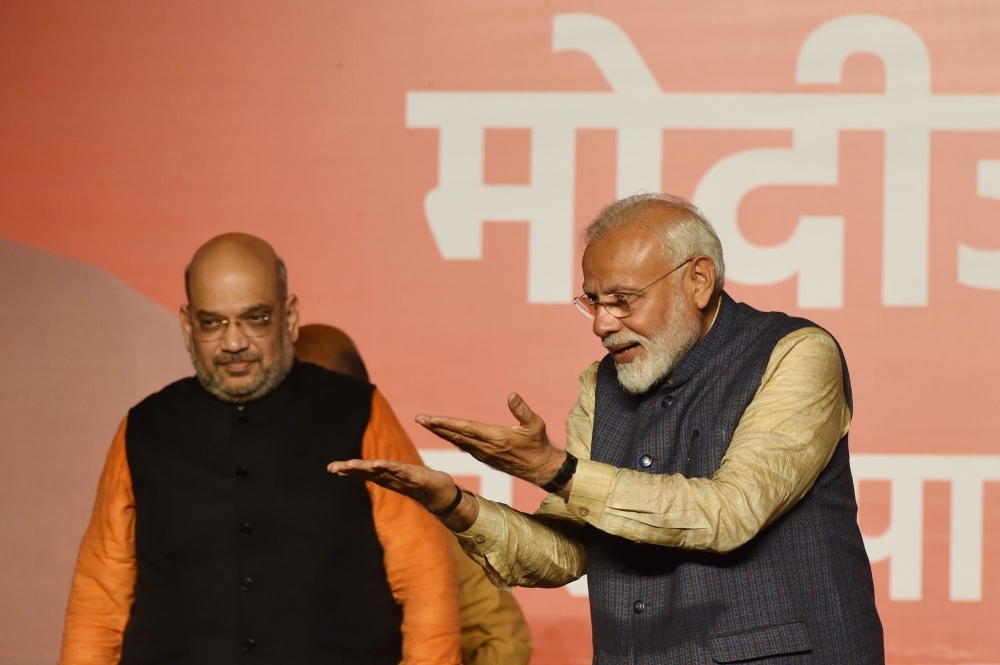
<point>663,350</point>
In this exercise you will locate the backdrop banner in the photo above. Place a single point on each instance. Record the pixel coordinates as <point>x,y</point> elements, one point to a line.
<point>425,170</point>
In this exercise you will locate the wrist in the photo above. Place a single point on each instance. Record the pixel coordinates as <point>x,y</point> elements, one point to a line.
<point>563,476</point>
<point>548,471</point>
<point>441,511</point>
<point>464,515</point>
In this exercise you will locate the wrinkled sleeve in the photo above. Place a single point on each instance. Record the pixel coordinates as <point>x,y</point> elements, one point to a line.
<point>783,441</point>
<point>419,564</point>
<point>104,579</point>
<point>544,549</point>
<point>494,631</point>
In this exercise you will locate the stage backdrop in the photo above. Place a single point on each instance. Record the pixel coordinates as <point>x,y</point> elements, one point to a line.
<point>425,168</point>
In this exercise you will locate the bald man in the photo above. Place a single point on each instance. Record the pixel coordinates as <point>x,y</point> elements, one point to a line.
<point>218,536</point>
<point>494,631</point>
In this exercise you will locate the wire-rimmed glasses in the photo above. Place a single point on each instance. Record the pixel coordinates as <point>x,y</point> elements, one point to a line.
<point>618,305</point>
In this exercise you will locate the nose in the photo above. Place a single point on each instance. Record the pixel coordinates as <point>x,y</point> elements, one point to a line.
<point>605,324</point>
<point>233,339</point>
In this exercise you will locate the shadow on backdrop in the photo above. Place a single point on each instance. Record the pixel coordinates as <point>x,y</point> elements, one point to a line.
<point>78,348</point>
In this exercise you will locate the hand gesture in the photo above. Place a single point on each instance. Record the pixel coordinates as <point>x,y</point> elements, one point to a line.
<point>523,451</point>
<point>434,490</point>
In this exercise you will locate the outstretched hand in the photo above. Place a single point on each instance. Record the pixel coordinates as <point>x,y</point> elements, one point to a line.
<point>523,451</point>
<point>434,490</point>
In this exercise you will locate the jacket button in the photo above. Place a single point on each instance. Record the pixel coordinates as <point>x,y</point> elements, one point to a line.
<point>249,645</point>
<point>246,584</point>
<point>480,539</point>
<point>645,461</point>
<point>246,529</point>
<point>584,512</point>
<point>243,472</point>
<point>668,400</point>
<point>638,607</point>
<point>242,419</point>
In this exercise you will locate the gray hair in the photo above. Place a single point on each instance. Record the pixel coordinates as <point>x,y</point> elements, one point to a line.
<point>689,235</point>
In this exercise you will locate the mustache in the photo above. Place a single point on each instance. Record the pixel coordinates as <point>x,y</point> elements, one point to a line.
<point>623,338</point>
<point>224,358</point>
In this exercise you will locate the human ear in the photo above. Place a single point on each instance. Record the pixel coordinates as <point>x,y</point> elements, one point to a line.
<point>292,317</point>
<point>186,325</point>
<point>702,280</point>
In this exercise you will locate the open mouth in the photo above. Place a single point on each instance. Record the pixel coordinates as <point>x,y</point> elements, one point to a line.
<point>624,352</point>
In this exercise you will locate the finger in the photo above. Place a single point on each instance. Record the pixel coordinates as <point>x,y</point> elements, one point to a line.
<point>357,467</point>
<point>520,409</point>
<point>343,465</point>
<point>470,429</point>
<point>466,443</point>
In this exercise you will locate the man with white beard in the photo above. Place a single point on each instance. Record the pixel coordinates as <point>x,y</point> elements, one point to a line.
<point>705,487</point>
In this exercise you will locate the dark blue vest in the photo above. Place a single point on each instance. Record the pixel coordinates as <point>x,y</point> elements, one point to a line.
<point>799,592</point>
<point>248,550</point>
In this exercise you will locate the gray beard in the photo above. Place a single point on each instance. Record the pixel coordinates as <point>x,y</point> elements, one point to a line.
<point>664,349</point>
<point>269,378</point>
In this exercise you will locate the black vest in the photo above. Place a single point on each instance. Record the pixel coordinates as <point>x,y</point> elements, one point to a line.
<point>246,546</point>
<point>799,592</point>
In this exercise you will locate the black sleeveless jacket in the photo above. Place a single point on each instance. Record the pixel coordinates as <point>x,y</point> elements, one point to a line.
<point>246,546</point>
<point>799,592</point>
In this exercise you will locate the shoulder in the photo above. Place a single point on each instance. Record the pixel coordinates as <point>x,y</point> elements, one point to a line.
<point>811,353</point>
<point>173,394</point>
<point>315,376</point>
<point>781,332</point>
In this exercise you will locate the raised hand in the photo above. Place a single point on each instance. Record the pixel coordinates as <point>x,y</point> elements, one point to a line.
<point>523,451</point>
<point>434,490</point>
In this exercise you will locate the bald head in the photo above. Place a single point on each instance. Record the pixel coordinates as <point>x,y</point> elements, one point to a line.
<point>331,348</point>
<point>239,322</point>
<point>236,248</point>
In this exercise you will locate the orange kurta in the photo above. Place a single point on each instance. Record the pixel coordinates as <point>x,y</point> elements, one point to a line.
<point>418,562</point>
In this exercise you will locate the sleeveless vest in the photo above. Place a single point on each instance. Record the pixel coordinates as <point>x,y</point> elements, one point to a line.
<point>799,592</point>
<point>246,546</point>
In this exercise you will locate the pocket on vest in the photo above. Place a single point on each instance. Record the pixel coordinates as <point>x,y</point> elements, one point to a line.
<point>780,640</point>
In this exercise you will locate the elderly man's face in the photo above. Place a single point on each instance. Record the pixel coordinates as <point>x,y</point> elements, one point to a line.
<point>236,327</point>
<point>664,322</point>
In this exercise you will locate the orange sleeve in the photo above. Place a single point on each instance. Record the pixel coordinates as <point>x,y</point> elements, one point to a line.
<point>418,560</point>
<point>103,587</point>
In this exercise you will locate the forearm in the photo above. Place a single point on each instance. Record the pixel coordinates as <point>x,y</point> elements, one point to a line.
<point>693,513</point>
<point>523,550</point>
<point>95,624</point>
<point>104,578</point>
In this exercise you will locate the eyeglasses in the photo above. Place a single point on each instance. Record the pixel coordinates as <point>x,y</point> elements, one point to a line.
<point>618,305</point>
<point>213,328</point>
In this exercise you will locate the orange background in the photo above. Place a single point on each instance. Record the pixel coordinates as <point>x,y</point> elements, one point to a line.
<point>130,133</point>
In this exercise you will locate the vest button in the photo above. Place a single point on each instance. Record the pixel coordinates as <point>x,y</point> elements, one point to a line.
<point>668,400</point>
<point>243,472</point>
<point>645,461</point>
<point>246,529</point>
<point>249,645</point>
<point>638,607</point>
<point>695,433</point>
<point>480,539</point>
<point>246,584</point>
<point>242,419</point>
